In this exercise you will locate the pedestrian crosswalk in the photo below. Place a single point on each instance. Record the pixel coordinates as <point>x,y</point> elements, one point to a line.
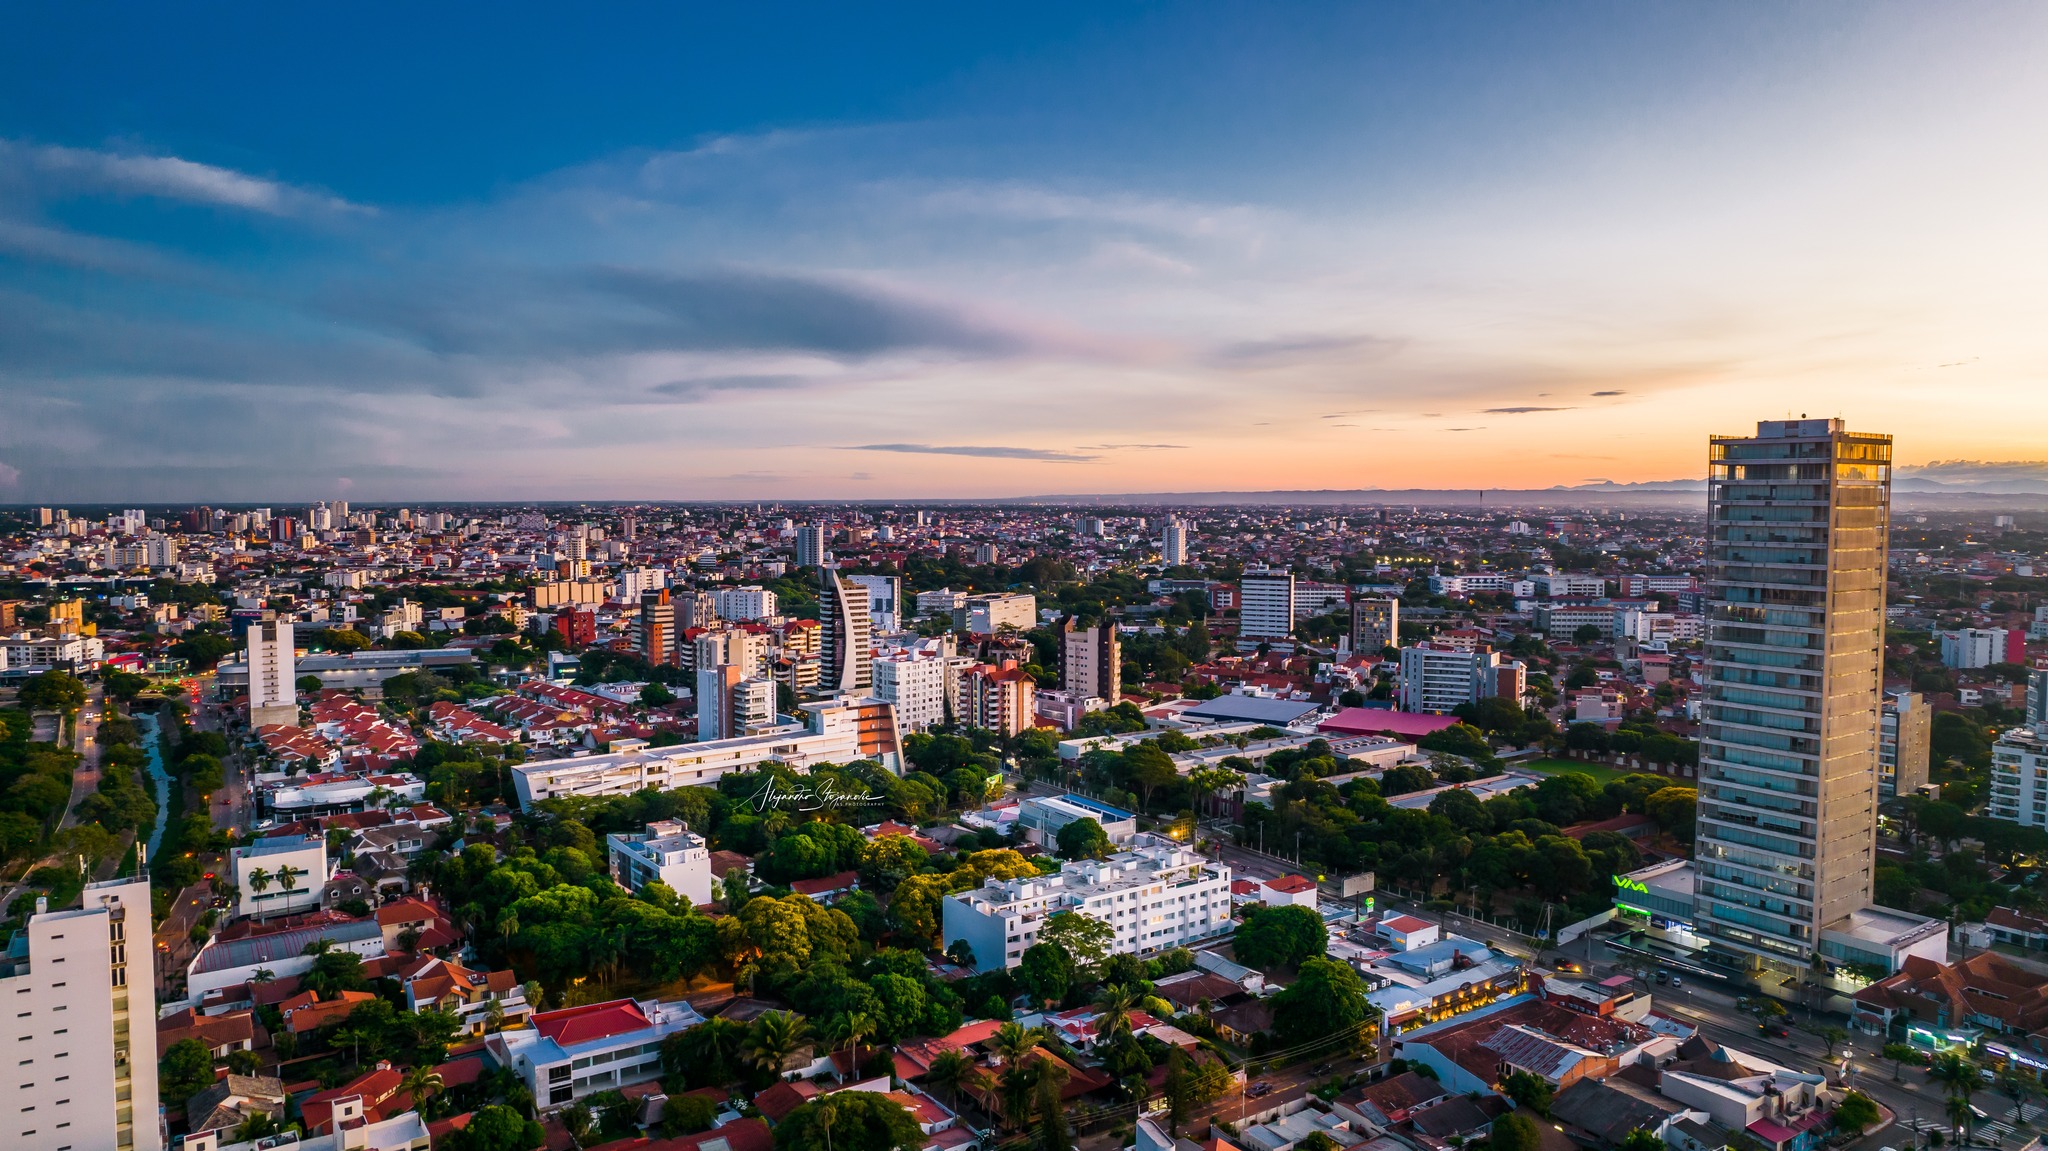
<point>1995,1131</point>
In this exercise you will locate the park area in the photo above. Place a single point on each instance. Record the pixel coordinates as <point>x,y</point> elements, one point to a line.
<point>1600,773</point>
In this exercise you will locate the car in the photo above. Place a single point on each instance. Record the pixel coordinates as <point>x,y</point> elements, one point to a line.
<point>1320,1069</point>
<point>1563,964</point>
<point>1677,980</point>
<point>1774,1030</point>
<point>1258,1089</point>
<point>1663,977</point>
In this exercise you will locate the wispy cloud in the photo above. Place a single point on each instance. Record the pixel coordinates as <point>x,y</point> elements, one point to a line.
<point>982,451</point>
<point>1518,411</point>
<point>1133,447</point>
<point>1614,392</point>
<point>167,177</point>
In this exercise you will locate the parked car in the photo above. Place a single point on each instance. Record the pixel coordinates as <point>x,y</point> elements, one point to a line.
<point>1258,1089</point>
<point>1663,976</point>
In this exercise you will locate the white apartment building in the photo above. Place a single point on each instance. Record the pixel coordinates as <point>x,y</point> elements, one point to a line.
<point>752,602</point>
<point>273,690</point>
<point>1153,897</point>
<point>82,1039</point>
<point>280,875</point>
<point>634,581</point>
<point>941,602</point>
<point>1173,543</point>
<point>1440,679</point>
<point>1563,620</point>
<point>989,614</point>
<point>1973,647</point>
<point>666,852</point>
<point>1561,586</point>
<point>2019,777</point>
<point>28,654</point>
<point>836,731</point>
<point>916,684</point>
<point>1265,605</point>
<point>1645,626</point>
<point>1470,582</point>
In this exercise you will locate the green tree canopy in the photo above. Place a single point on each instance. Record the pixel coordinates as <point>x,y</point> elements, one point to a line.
<point>1325,998</point>
<point>850,1121</point>
<point>1083,839</point>
<point>1280,937</point>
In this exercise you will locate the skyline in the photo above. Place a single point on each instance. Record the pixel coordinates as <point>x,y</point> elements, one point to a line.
<point>791,255</point>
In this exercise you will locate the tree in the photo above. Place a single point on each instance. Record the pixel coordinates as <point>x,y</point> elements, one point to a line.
<point>1673,809</point>
<point>707,1055</point>
<point>1641,1140</point>
<point>1856,1113</point>
<point>1898,1053</point>
<point>1955,1073</point>
<point>1149,769</point>
<point>1831,1038</point>
<point>1961,1116</point>
<point>1190,1085</point>
<point>773,1038</point>
<point>53,691</point>
<point>1013,1041</point>
<point>1083,937</point>
<point>184,1070</point>
<point>576,1120</point>
<point>1514,1131</point>
<point>656,695</point>
<point>1083,839</point>
<point>858,1121</point>
<point>1280,937</point>
<point>686,1115</point>
<point>498,1128</point>
<point>951,1072</point>
<point>1326,998</point>
<point>1528,1091</point>
<point>2019,1088</point>
<point>1047,971</point>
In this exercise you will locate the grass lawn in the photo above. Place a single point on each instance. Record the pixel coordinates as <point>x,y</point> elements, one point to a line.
<point>1601,773</point>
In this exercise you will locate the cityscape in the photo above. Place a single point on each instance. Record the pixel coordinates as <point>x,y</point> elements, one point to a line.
<point>1177,579</point>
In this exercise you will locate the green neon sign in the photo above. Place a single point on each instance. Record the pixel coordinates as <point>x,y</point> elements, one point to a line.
<point>1635,885</point>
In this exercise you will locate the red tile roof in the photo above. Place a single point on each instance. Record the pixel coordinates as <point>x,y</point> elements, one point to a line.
<point>573,1025</point>
<point>1291,884</point>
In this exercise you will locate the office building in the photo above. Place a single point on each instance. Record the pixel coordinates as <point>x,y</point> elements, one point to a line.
<point>1091,660</point>
<point>1905,742</point>
<point>1173,544</point>
<point>1265,605</point>
<point>654,632</point>
<point>81,1040</point>
<point>810,545</point>
<point>1787,827</point>
<point>1153,898</point>
<point>732,701</point>
<point>846,649</point>
<point>1439,678</point>
<point>885,600</point>
<point>667,852</point>
<point>273,686</point>
<point>915,684</point>
<point>1375,625</point>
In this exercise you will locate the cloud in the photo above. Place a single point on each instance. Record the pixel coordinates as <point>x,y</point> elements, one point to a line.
<point>1305,348</point>
<point>1520,411</point>
<point>1133,447</point>
<point>9,475</point>
<point>693,390</point>
<point>167,177</point>
<point>984,452</point>
<point>1613,392</point>
<point>1478,429</point>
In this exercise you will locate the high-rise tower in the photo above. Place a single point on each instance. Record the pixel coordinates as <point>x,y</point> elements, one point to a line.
<point>273,690</point>
<point>848,643</point>
<point>1787,829</point>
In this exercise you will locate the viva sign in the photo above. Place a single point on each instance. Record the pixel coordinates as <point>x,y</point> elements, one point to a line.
<point>1635,885</point>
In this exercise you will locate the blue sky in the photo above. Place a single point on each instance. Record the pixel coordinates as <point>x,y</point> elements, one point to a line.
<point>814,250</point>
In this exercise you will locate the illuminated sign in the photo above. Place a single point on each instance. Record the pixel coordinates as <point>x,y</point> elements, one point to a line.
<point>1635,885</point>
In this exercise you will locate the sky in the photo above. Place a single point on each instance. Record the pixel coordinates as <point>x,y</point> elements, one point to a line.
<point>818,251</point>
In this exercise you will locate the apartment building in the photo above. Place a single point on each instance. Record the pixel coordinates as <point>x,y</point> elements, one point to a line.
<point>916,684</point>
<point>654,632</point>
<point>1265,605</point>
<point>1152,897</point>
<point>885,600</point>
<point>273,687</point>
<point>1439,678</point>
<point>1173,543</point>
<point>810,545</point>
<point>990,614</point>
<point>2019,777</point>
<point>999,698</point>
<point>838,730</point>
<point>82,1040</point>
<point>1375,625</point>
<point>1905,744</point>
<point>846,652</point>
<point>752,602</point>
<point>667,852</point>
<point>1091,660</point>
<point>1974,647</point>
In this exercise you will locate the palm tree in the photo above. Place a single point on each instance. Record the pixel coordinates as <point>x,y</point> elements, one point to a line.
<point>422,1083</point>
<point>712,1049</point>
<point>828,1114</point>
<point>1053,1134</point>
<point>259,878</point>
<point>288,877</point>
<point>494,1015</point>
<point>1017,1088</point>
<point>1960,1116</point>
<point>607,950</point>
<point>576,1120</point>
<point>1955,1073</point>
<point>775,1037</point>
<point>1116,1005</point>
<point>355,1037</point>
<point>1013,1041</point>
<point>261,976</point>
<point>508,926</point>
<point>852,1027</point>
<point>952,1072</point>
<point>319,946</point>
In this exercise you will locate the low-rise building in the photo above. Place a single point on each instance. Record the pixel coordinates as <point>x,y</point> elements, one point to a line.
<point>1152,897</point>
<point>280,875</point>
<point>577,1052</point>
<point>667,852</point>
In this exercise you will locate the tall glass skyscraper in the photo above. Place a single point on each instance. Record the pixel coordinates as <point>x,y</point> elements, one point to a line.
<point>1786,843</point>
